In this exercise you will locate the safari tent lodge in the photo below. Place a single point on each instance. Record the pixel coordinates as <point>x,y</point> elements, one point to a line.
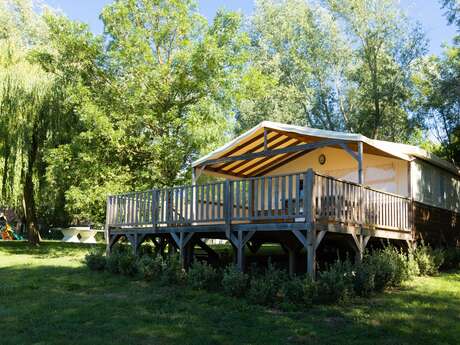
<point>297,186</point>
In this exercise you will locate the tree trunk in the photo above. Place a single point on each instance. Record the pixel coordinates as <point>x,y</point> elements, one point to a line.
<point>6,157</point>
<point>28,199</point>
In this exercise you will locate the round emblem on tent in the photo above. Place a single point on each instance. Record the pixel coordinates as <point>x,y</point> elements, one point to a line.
<point>322,159</point>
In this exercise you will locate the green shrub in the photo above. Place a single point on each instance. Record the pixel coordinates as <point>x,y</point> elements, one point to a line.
<point>95,260</point>
<point>336,283</point>
<point>234,282</point>
<point>202,276</point>
<point>451,258</point>
<point>265,288</point>
<point>172,272</point>
<point>428,260</point>
<point>127,264</point>
<point>150,267</point>
<point>299,291</point>
<point>391,268</point>
<point>113,262</point>
<point>147,248</point>
<point>364,279</point>
<point>262,291</point>
<point>412,266</point>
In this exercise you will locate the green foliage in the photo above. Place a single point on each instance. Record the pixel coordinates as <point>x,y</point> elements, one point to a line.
<point>234,282</point>
<point>113,262</point>
<point>127,264</point>
<point>202,276</point>
<point>147,248</point>
<point>390,266</point>
<point>150,267</point>
<point>364,279</point>
<point>428,260</point>
<point>301,291</point>
<point>264,289</point>
<point>336,283</point>
<point>451,258</point>
<point>95,260</point>
<point>172,272</point>
<point>46,275</point>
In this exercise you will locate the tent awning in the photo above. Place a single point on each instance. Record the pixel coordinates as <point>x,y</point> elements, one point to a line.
<point>270,145</point>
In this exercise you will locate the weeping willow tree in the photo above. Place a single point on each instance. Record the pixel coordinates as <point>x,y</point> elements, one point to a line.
<point>28,108</point>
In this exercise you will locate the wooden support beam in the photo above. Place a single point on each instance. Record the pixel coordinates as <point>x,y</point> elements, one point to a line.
<point>360,163</point>
<point>240,258</point>
<point>349,151</point>
<point>311,253</point>
<point>259,162</point>
<point>243,145</point>
<point>366,240</point>
<point>211,253</point>
<point>182,240</point>
<point>132,238</point>
<point>107,225</point>
<point>239,242</point>
<point>270,145</point>
<point>319,238</point>
<point>265,139</point>
<point>112,240</point>
<point>303,147</point>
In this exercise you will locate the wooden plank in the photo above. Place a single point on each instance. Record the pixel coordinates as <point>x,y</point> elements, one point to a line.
<point>283,195</point>
<point>277,196</point>
<point>220,215</point>
<point>290,203</point>
<point>207,187</point>
<point>360,163</point>
<point>269,197</point>
<point>262,196</point>
<point>297,195</point>
<point>244,197</point>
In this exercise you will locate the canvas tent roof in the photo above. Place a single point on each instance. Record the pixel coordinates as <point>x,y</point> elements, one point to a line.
<point>273,135</point>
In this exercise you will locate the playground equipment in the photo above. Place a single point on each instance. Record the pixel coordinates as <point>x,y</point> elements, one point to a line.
<point>6,230</point>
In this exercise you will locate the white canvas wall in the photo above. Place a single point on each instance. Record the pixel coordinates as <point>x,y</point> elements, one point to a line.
<point>434,186</point>
<point>382,173</point>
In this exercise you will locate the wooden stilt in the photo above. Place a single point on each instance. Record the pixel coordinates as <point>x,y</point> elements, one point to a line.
<point>132,238</point>
<point>240,252</point>
<point>182,240</point>
<point>311,253</point>
<point>239,242</point>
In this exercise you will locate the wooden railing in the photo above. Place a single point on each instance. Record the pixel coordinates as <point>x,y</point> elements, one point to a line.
<point>348,202</point>
<point>298,197</point>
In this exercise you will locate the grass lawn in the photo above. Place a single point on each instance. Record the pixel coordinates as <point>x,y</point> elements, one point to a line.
<point>47,296</point>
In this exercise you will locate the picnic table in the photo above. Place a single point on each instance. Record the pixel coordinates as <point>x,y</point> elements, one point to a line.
<point>79,234</point>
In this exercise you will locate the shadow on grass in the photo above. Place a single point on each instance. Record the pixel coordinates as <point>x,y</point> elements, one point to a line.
<point>47,248</point>
<point>63,305</point>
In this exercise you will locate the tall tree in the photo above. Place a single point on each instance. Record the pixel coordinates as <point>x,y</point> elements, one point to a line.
<point>298,62</point>
<point>439,85</point>
<point>387,47</point>
<point>161,95</point>
<point>28,107</point>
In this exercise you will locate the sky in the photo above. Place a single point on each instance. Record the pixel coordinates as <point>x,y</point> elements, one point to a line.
<point>427,12</point>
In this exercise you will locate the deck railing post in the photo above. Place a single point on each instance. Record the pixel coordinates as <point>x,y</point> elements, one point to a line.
<point>227,207</point>
<point>107,225</point>
<point>154,208</point>
<point>309,222</point>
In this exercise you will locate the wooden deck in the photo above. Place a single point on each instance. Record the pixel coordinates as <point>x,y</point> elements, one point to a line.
<point>304,206</point>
